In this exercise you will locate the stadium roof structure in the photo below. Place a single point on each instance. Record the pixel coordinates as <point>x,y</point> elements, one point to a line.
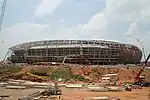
<point>76,51</point>
<point>38,44</point>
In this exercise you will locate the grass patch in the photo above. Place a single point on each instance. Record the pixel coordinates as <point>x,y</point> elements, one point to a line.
<point>40,71</point>
<point>80,78</point>
<point>66,75</point>
<point>61,73</point>
<point>13,69</point>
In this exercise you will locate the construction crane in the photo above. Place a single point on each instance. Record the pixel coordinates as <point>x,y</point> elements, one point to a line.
<point>1,20</point>
<point>140,43</point>
<point>139,80</point>
<point>2,13</point>
<point>89,63</point>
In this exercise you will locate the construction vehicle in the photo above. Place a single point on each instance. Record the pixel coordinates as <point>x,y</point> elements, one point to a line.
<point>139,79</point>
<point>36,76</point>
<point>51,90</point>
<point>128,87</point>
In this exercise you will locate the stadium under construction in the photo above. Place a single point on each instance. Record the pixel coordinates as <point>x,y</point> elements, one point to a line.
<point>95,52</point>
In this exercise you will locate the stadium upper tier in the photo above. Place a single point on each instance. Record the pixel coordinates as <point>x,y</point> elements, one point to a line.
<point>76,51</point>
<point>62,43</point>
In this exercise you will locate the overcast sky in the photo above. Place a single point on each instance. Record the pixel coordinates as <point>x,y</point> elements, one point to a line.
<point>30,20</point>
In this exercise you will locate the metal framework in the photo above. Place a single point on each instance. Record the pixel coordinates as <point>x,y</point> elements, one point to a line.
<point>97,52</point>
<point>2,13</point>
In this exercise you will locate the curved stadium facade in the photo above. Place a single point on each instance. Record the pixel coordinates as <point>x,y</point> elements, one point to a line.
<point>96,52</point>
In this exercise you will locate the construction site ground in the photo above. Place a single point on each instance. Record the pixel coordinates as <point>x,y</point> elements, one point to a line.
<point>124,73</point>
<point>78,94</point>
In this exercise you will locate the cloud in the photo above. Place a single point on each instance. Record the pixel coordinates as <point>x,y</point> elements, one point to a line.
<point>26,32</point>
<point>133,29</point>
<point>97,22</point>
<point>46,7</point>
<point>135,14</point>
<point>127,10</point>
<point>132,15</point>
<point>96,27</point>
<point>20,33</point>
<point>139,38</point>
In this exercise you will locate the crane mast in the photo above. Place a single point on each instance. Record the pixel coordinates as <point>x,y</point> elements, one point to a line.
<point>2,13</point>
<point>141,70</point>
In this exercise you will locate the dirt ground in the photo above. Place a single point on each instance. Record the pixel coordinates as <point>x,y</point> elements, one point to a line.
<point>79,94</point>
<point>93,73</point>
<point>139,94</point>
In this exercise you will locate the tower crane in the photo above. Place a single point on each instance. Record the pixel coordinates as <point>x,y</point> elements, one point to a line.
<point>141,80</point>
<point>2,13</point>
<point>1,19</point>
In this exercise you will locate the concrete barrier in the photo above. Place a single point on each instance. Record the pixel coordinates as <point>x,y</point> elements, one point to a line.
<point>15,87</point>
<point>96,98</point>
<point>62,85</point>
<point>11,82</point>
<point>97,89</point>
<point>115,89</point>
<point>74,86</point>
<point>40,87</point>
<point>2,84</point>
<point>28,83</point>
<point>21,81</point>
<point>92,85</point>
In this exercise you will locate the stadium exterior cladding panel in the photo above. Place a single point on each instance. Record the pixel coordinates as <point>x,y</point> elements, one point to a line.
<point>96,52</point>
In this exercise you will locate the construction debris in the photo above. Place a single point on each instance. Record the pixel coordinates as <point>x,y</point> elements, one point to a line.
<point>74,86</point>
<point>2,84</point>
<point>102,79</point>
<point>15,87</point>
<point>97,89</point>
<point>115,89</point>
<point>39,94</point>
<point>6,95</point>
<point>32,96</point>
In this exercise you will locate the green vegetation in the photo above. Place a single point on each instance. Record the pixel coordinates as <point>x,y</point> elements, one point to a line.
<point>13,69</point>
<point>80,78</point>
<point>61,73</point>
<point>66,75</point>
<point>40,71</point>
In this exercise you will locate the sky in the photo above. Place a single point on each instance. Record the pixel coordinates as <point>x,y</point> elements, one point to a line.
<point>120,20</point>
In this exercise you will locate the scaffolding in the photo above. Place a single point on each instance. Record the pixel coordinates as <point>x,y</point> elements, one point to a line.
<point>97,52</point>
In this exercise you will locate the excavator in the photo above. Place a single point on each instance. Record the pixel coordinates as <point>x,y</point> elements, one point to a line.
<point>51,90</point>
<point>140,80</point>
